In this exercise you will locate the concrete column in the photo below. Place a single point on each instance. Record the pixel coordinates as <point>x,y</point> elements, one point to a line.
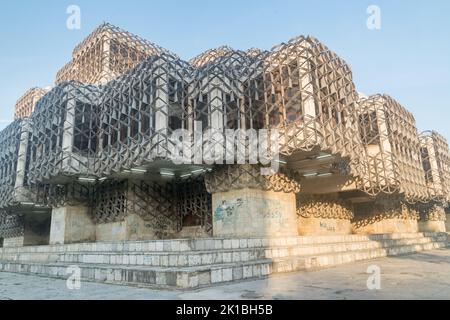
<point>213,149</point>
<point>435,181</point>
<point>20,192</point>
<point>71,224</point>
<point>382,218</point>
<point>307,85</point>
<point>432,218</point>
<point>447,220</point>
<point>161,105</point>
<point>132,228</point>
<point>107,74</point>
<point>68,164</point>
<point>323,215</point>
<point>432,226</point>
<point>248,204</point>
<point>254,213</point>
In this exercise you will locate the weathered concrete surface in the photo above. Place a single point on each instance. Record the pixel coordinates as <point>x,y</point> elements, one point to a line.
<point>253,213</point>
<point>132,228</point>
<point>432,226</point>
<point>13,242</point>
<point>321,226</point>
<point>418,276</point>
<point>71,224</point>
<point>393,225</point>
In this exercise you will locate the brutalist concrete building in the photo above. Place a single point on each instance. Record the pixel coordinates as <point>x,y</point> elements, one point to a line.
<point>92,159</point>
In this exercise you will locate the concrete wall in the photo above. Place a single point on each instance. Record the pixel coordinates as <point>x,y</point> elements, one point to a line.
<point>71,224</point>
<point>132,228</point>
<point>321,226</point>
<point>13,242</point>
<point>432,226</point>
<point>394,225</point>
<point>253,212</point>
<point>192,232</point>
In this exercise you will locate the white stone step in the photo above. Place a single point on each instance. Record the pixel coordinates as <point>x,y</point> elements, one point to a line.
<point>314,262</point>
<point>206,257</point>
<point>209,244</point>
<point>195,276</point>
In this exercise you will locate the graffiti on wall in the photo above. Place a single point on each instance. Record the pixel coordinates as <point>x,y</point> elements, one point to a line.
<point>227,209</point>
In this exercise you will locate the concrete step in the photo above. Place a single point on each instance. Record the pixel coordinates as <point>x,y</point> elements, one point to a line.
<point>205,275</point>
<point>206,257</point>
<point>209,244</point>
<point>315,262</point>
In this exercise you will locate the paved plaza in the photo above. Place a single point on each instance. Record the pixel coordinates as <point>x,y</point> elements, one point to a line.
<point>418,276</point>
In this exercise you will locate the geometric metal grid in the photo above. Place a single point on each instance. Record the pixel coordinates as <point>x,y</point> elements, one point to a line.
<point>11,225</point>
<point>9,152</point>
<point>11,175</point>
<point>299,88</point>
<point>392,149</point>
<point>194,202</point>
<point>63,138</point>
<point>105,54</point>
<point>431,211</point>
<point>57,195</point>
<point>162,206</point>
<point>436,164</point>
<point>155,204</point>
<point>138,112</point>
<point>222,90</point>
<point>308,93</point>
<point>25,104</point>
<point>324,207</point>
<point>109,201</point>
<point>383,208</point>
<point>235,177</point>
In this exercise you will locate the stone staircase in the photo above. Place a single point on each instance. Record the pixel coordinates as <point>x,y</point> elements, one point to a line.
<point>203,262</point>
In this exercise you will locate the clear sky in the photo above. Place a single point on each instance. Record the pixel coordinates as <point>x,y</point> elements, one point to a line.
<point>408,58</point>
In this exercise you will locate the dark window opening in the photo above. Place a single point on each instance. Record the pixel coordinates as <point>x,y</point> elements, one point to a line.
<point>85,130</point>
<point>369,128</point>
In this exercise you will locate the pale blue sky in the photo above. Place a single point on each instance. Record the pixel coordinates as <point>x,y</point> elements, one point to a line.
<point>409,58</point>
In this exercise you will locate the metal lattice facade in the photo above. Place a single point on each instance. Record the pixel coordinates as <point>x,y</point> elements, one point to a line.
<point>63,139</point>
<point>13,162</point>
<point>11,225</point>
<point>25,105</point>
<point>162,206</point>
<point>436,164</point>
<point>106,54</point>
<point>139,111</point>
<point>392,149</point>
